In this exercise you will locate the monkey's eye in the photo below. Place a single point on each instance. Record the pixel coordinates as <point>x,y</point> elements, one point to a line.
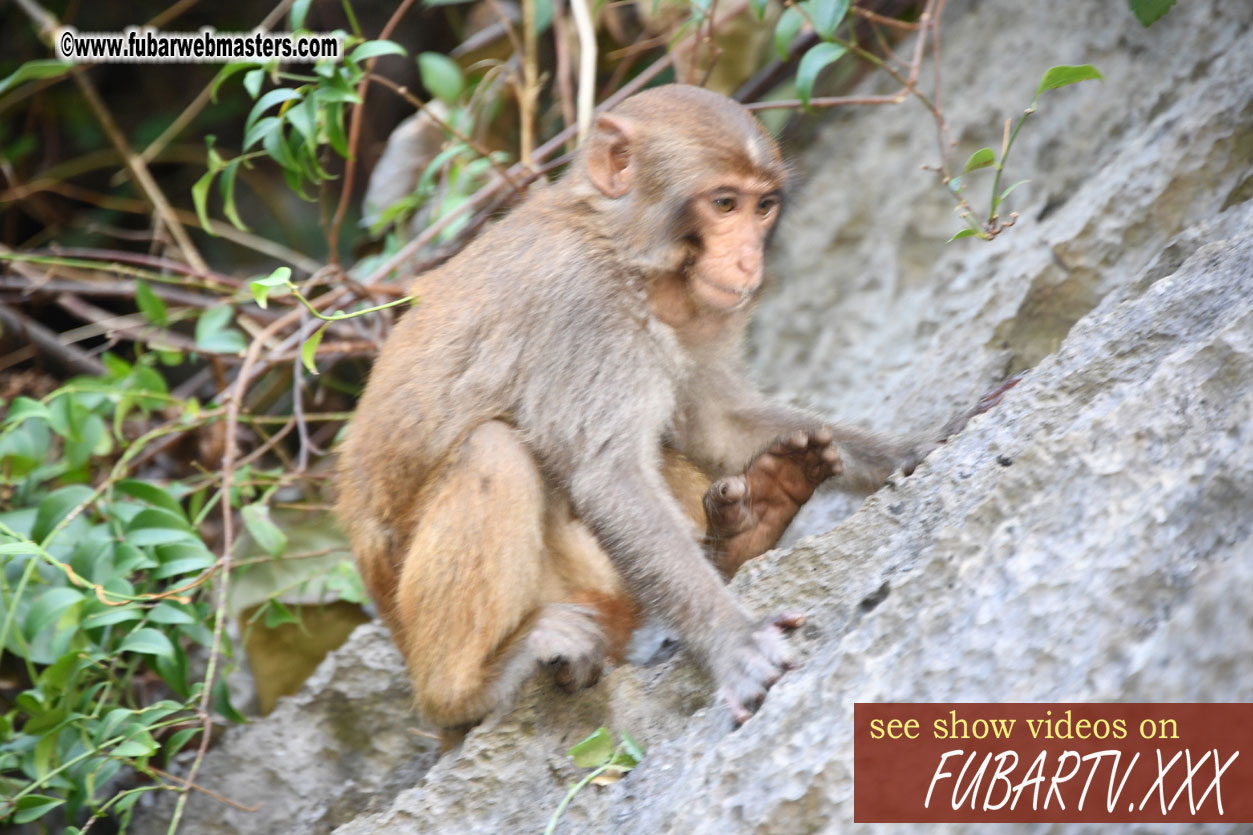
<point>724,204</point>
<point>766,205</point>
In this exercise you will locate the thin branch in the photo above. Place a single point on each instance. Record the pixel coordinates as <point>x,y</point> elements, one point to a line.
<point>139,170</point>
<point>198,104</point>
<point>714,52</point>
<point>132,326</point>
<point>354,139</point>
<point>477,147</point>
<point>530,82</point>
<point>47,342</point>
<point>587,65</point>
<point>561,46</point>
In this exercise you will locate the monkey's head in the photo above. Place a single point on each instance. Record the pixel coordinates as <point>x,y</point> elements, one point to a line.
<point>691,183</point>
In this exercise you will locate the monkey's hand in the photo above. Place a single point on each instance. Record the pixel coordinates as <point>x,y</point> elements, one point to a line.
<point>753,667</point>
<point>748,513</point>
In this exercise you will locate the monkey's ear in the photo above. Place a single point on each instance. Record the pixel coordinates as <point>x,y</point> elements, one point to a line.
<point>609,154</point>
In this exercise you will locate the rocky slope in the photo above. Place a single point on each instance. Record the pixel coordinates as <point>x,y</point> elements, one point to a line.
<point>1087,540</point>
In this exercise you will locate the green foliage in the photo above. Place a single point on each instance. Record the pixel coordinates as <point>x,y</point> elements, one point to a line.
<point>85,596</point>
<point>1149,12</point>
<point>441,75</point>
<point>1054,77</point>
<point>608,764</point>
<point>32,71</point>
<point>281,278</point>
<point>1065,75</point>
<point>107,582</point>
<point>815,60</point>
<point>826,15</point>
<point>290,123</point>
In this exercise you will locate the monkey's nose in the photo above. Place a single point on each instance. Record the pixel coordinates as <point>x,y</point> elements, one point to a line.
<point>750,262</point>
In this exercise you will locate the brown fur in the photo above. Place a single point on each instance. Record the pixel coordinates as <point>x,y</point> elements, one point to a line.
<point>526,468</point>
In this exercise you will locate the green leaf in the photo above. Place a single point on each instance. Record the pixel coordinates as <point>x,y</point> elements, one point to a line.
<point>309,350</point>
<point>59,674</point>
<point>253,81</point>
<point>1006,192</point>
<point>212,333</point>
<point>267,534</point>
<point>200,199</point>
<point>786,30</point>
<point>112,615</point>
<point>759,8</point>
<point>1149,12</point>
<point>280,277</point>
<point>22,408</point>
<point>261,286</point>
<point>335,133</point>
<point>965,233</point>
<point>826,15</point>
<point>147,641</point>
<point>304,118</point>
<point>441,76</point>
<point>48,609</point>
<point>156,517</point>
<point>66,415</point>
<point>981,158</point>
<point>138,744</point>
<point>195,559</point>
<point>631,747</point>
<point>167,612</point>
<point>594,751</point>
<point>278,147</point>
<point>222,702</point>
<point>955,184</point>
<point>543,16</point>
<point>150,304</point>
<point>227,187</point>
<point>111,723</point>
<point>150,493</point>
<point>177,742</point>
<point>56,507</point>
<point>373,49</point>
<point>225,73</point>
<point>299,10</point>
<point>275,96</point>
<point>92,439</point>
<point>261,130</point>
<point>816,59</point>
<point>154,526</point>
<point>34,806</point>
<point>277,614</point>
<point>32,71</point>
<point>1063,75</point>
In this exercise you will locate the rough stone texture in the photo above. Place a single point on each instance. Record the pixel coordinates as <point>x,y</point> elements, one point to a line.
<point>1089,539</point>
<point>339,747</point>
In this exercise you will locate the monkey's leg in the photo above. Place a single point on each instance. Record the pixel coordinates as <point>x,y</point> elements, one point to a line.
<point>748,513</point>
<point>476,592</point>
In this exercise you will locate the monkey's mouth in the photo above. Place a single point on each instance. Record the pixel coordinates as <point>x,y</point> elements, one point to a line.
<point>736,296</point>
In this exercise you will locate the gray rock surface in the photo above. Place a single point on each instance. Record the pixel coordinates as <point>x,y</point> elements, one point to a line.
<point>1089,539</point>
<point>341,746</point>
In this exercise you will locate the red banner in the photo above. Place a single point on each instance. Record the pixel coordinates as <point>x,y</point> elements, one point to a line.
<point>1052,763</point>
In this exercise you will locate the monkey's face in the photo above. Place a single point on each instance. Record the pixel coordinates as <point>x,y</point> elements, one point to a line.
<point>732,223</point>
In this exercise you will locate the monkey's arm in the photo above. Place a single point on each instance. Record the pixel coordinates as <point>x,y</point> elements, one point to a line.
<point>626,504</point>
<point>724,423</point>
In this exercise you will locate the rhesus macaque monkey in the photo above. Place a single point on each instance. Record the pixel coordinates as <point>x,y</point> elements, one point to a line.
<point>526,468</point>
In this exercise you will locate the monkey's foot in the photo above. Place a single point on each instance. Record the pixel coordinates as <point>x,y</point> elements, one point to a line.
<point>748,513</point>
<point>757,664</point>
<point>570,642</point>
